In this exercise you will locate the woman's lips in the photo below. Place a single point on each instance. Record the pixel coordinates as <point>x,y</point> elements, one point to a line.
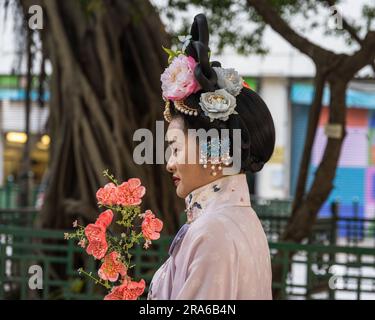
<point>176,181</point>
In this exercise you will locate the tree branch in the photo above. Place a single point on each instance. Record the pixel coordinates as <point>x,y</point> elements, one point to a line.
<point>346,26</point>
<point>318,54</point>
<point>351,30</point>
<point>314,115</point>
<point>361,58</point>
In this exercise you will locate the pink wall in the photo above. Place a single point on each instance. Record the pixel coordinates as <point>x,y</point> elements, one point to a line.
<point>354,152</point>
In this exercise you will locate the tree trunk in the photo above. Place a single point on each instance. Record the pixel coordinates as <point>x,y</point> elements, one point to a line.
<point>305,214</point>
<point>338,69</point>
<point>105,85</point>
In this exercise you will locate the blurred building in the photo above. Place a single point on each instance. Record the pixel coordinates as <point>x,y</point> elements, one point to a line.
<point>354,184</point>
<point>12,129</point>
<point>289,100</point>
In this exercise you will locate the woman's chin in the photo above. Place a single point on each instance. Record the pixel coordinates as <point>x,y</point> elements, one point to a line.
<point>180,192</point>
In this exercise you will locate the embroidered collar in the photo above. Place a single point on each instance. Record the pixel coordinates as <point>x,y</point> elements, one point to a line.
<point>223,192</point>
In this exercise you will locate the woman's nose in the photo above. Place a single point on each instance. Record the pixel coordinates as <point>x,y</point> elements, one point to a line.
<point>171,165</point>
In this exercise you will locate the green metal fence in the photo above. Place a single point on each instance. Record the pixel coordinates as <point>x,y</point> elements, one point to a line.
<point>323,267</point>
<point>9,194</point>
<point>317,271</point>
<point>340,228</point>
<point>21,248</point>
<point>21,217</point>
<point>271,207</point>
<point>324,272</point>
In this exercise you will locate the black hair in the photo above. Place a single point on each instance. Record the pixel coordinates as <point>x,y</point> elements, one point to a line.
<point>253,119</point>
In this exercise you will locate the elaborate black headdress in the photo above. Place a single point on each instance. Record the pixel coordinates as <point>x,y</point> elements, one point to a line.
<point>191,73</point>
<point>210,96</point>
<point>198,49</point>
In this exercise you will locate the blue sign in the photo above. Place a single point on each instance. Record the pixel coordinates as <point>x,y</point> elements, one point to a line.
<point>20,95</point>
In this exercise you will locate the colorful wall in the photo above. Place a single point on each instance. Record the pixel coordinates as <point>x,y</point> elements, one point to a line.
<point>354,184</point>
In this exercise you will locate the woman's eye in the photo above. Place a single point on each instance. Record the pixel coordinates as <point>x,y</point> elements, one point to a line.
<point>174,150</point>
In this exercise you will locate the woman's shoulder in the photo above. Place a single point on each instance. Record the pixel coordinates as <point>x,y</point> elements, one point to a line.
<point>222,218</point>
<point>209,231</point>
<point>225,225</point>
<point>207,223</point>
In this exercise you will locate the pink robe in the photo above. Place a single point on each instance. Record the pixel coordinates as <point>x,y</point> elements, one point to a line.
<point>224,253</point>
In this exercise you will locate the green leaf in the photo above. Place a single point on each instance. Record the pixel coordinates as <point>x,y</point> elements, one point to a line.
<point>168,51</point>
<point>171,54</point>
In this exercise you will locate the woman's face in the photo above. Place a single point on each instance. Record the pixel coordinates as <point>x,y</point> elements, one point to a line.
<point>187,175</point>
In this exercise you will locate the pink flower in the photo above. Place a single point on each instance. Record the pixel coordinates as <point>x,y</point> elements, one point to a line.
<point>98,245</point>
<point>105,218</point>
<point>151,226</point>
<point>128,290</point>
<point>178,80</point>
<point>112,267</point>
<point>94,232</point>
<point>130,193</point>
<point>107,195</point>
<point>97,248</point>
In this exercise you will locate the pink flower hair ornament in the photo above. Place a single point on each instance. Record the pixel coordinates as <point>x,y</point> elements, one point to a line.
<point>178,80</point>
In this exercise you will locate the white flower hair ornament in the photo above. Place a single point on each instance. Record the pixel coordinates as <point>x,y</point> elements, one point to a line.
<point>218,105</point>
<point>221,103</point>
<point>230,80</point>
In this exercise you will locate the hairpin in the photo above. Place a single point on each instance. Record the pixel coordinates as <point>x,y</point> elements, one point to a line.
<point>167,111</point>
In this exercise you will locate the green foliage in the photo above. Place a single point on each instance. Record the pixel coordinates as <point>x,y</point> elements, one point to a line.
<point>369,15</point>
<point>221,15</point>
<point>233,23</point>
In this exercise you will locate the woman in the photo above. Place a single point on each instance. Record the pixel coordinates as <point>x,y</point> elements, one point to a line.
<point>221,252</point>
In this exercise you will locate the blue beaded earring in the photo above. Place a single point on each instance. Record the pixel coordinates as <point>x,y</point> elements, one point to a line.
<point>215,153</point>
